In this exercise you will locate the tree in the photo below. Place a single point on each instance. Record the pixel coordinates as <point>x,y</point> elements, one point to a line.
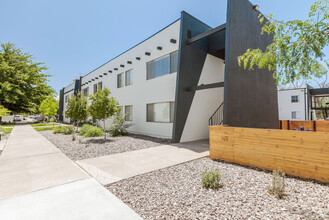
<point>3,111</point>
<point>77,109</point>
<point>23,83</point>
<point>49,107</point>
<point>297,51</point>
<point>102,106</point>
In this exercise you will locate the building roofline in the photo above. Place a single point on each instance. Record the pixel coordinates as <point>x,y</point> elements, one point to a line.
<point>133,47</point>
<point>291,89</point>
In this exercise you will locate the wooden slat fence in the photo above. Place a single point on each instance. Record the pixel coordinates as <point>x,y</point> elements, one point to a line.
<point>319,126</point>
<point>298,153</point>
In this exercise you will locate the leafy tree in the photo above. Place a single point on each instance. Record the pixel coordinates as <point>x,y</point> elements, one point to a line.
<point>23,83</point>
<point>297,51</point>
<point>77,109</point>
<point>102,106</point>
<point>3,111</point>
<point>119,126</point>
<point>49,107</point>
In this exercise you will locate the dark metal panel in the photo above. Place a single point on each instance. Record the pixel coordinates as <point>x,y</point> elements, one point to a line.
<point>250,97</point>
<point>61,105</point>
<point>191,59</point>
<point>319,91</point>
<point>205,86</point>
<point>77,87</point>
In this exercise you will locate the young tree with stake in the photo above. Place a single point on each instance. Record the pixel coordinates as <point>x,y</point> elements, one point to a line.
<point>77,109</point>
<point>102,106</point>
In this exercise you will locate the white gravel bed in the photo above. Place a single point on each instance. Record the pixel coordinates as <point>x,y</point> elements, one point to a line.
<point>176,193</point>
<point>97,146</point>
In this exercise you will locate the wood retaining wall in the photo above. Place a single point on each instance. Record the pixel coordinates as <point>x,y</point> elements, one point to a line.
<point>298,153</point>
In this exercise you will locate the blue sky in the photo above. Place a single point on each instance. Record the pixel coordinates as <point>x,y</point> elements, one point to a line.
<point>73,37</point>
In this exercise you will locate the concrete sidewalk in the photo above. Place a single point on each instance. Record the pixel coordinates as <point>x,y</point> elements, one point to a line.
<point>37,181</point>
<point>112,168</point>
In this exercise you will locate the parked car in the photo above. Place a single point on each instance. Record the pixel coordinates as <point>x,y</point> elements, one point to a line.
<point>17,118</point>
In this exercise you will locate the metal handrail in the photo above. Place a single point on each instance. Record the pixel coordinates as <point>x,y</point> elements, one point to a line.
<point>217,117</point>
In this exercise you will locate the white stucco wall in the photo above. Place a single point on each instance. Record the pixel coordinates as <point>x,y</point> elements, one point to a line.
<point>142,92</point>
<point>205,102</point>
<point>286,106</point>
<point>68,91</point>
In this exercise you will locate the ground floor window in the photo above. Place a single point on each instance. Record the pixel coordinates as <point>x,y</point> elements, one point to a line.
<point>160,112</point>
<point>128,113</point>
<point>295,115</point>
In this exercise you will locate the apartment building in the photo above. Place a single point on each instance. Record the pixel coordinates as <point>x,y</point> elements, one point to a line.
<point>186,77</point>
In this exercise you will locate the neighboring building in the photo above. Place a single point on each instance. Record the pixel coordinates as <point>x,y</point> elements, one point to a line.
<point>294,104</point>
<point>185,76</point>
<point>303,104</point>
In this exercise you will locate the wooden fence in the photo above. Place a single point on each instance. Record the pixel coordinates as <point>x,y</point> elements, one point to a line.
<point>319,126</point>
<point>298,153</point>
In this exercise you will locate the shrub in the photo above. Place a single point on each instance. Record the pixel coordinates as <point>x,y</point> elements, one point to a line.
<point>84,129</point>
<point>58,129</point>
<point>119,126</point>
<point>278,184</point>
<point>210,179</point>
<point>94,131</point>
<point>63,130</point>
<point>52,120</point>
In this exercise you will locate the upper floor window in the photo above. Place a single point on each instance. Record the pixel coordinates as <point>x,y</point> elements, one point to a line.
<point>95,88</point>
<point>100,85</point>
<point>129,77</point>
<point>66,98</point>
<point>294,98</point>
<point>120,80</point>
<point>85,92</point>
<point>162,66</point>
<point>128,113</point>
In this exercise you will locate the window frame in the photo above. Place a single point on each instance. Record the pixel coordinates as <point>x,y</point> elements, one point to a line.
<point>131,113</point>
<point>171,111</point>
<point>130,77</point>
<point>95,86</point>
<point>297,114</point>
<point>83,92</point>
<point>151,62</point>
<point>123,82</point>
<point>292,100</point>
<point>99,87</point>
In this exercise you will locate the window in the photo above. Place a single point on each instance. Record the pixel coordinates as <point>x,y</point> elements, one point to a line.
<point>95,88</point>
<point>295,115</point>
<point>129,77</point>
<point>128,113</point>
<point>120,80</point>
<point>294,98</point>
<point>160,112</point>
<point>100,85</point>
<point>162,66</point>
<point>66,98</point>
<point>85,92</point>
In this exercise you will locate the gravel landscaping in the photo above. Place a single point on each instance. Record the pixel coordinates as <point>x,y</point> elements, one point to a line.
<point>97,146</point>
<point>176,193</point>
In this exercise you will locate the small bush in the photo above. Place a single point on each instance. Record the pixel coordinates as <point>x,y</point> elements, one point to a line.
<point>63,130</point>
<point>58,129</point>
<point>84,129</point>
<point>210,179</point>
<point>73,137</point>
<point>119,126</point>
<point>52,120</point>
<point>94,131</point>
<point>278,184</point>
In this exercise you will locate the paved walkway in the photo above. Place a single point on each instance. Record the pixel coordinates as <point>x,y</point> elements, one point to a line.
<point>37,181</point>
<point>111,168</point>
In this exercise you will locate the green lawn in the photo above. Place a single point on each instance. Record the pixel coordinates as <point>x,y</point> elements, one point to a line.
<point>6,130</point>
<point>43,124</point>
<point>43,128</point>
<point>9,126</point>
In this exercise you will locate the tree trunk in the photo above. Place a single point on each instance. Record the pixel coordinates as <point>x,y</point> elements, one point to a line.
<point>104,129</point>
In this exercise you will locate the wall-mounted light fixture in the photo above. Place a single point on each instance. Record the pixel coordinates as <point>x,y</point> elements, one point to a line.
<point>138,58</point>
<point>173,41</point>
<point>147,53</point>
<point>129,62</point>
<point>255,7</point>
<point>159,48</point>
